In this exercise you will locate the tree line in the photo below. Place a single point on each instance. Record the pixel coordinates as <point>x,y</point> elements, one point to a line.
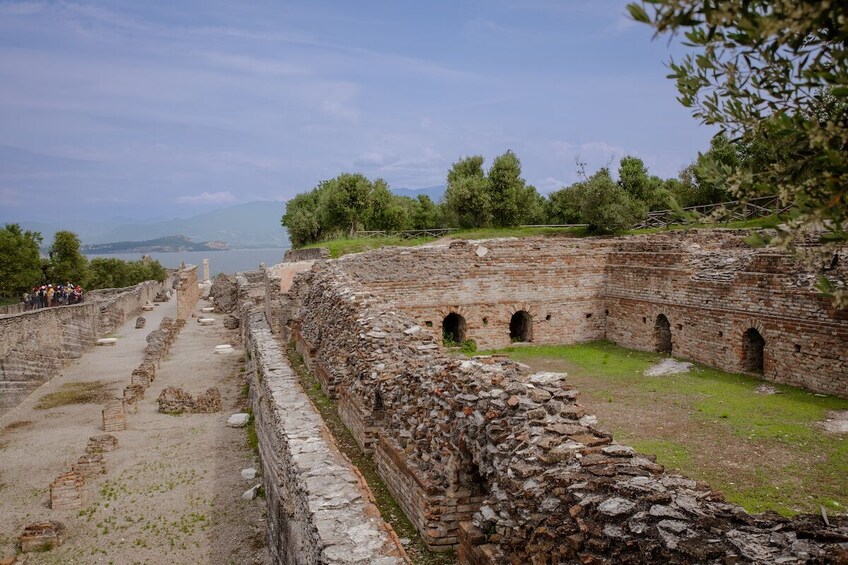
<point>500,197</point>
<point>22,266</point>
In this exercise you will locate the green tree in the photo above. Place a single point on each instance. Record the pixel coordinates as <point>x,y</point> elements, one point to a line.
<point>426,214</point>
<point>512,201</point>
<point>111,272</point>
<point>772,72</point>
<point>387,211</point>
<point>20,262</point>
<point>67,263</point>
<point>633,177</point>
<point>565,206</point>
<point>301,219</point>
<point>607,207</point>
<point>467,199</point>
<point>343,202</point>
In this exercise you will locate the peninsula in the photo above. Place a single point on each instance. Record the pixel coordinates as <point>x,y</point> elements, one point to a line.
<point>162,244</point>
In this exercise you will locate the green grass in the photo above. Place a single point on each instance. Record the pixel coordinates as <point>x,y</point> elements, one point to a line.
<point>727,405</point>
<point>339,247</point>
<point>345,246</point>
<point>94,392</point>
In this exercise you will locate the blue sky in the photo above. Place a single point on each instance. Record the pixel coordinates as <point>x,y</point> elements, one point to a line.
<point>152,108</point>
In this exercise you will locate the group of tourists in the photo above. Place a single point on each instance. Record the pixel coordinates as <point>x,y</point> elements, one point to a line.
<point>50,295</point>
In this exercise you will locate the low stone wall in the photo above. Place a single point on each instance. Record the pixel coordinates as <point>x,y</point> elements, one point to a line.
<point>482,438</point>
<point>319,508</point>
<point>36,344</point>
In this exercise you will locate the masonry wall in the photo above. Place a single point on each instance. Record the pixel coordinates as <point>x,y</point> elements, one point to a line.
<point>710,285</point>
<point>558,282</point>
<point>188,292</point>
<point>319,508</point>
<point>36,344</point>
<point>508,464</point>
<point>712,290</point>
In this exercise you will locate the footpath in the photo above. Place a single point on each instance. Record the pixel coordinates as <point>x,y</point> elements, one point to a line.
<point>172,490</point>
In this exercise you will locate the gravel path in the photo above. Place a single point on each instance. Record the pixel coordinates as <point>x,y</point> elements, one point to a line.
<point>172,493</point>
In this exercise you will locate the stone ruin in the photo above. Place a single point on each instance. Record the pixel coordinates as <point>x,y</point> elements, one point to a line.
<point>506,465</point>
<point>42,536</point>
<point>67,492</point>
<point>90,465</point>
<point>174,400</point>
<point>100,444</point>
<point>114,416</point>
<point>140,322</point>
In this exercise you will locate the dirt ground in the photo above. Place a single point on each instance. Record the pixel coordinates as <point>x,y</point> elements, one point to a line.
<point>172,491</point>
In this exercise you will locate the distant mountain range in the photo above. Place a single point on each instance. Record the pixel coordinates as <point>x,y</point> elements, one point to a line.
<point>244,226</point>
<point>158,245</point>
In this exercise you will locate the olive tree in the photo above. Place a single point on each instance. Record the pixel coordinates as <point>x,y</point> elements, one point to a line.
<point>774,73</point>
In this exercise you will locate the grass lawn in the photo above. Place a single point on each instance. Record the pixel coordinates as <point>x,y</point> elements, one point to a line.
<point>764,452</point>
<point>339,247</point>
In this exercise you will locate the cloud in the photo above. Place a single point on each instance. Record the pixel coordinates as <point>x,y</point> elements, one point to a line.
<point>370,159</point>
<point>224,197</point>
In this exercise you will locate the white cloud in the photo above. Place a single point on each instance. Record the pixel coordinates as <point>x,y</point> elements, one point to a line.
<point>208,198</point>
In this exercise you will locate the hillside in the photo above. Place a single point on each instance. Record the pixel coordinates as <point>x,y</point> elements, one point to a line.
<point>254,224</point>
<point>161,245</point>
<point>249,225</point>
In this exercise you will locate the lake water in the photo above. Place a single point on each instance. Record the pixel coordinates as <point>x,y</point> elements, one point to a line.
<point>229,261</point>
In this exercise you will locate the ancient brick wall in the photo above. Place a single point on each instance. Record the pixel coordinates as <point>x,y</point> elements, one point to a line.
<point>188,293</point>
<point>481,453</point>
<point>558,282</point>
<point>36,344</point>
<point>712,289</point>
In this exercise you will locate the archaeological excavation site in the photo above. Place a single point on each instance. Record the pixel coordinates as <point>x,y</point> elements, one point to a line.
<point>487,460</point>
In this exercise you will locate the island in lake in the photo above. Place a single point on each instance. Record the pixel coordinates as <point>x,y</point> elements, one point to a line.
<point>166,244</point>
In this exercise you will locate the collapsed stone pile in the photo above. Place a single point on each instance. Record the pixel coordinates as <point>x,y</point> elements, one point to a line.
<point>483,436</point>
<point>42,536</point>
<point>174,400</point>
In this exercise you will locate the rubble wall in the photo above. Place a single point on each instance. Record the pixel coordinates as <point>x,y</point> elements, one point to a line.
<point>558,282</point>
<point>36,344</point>
<point>508,464</point>
<point>319,509</point>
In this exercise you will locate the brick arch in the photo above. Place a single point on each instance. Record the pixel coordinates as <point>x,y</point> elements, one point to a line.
<point>454,324</point>
<point>532,309</point>
<point>752,346</point>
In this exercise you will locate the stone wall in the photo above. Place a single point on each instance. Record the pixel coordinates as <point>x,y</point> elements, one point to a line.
<point>558,282</point>
<point>712,290</point>
<point>710,286</point>
<point>319,508</point>
<point>188,292</point>
<point>508,464</point>
<point>36,344</point>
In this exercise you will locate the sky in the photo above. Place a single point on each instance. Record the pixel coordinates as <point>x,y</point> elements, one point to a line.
<point>161,109</point>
